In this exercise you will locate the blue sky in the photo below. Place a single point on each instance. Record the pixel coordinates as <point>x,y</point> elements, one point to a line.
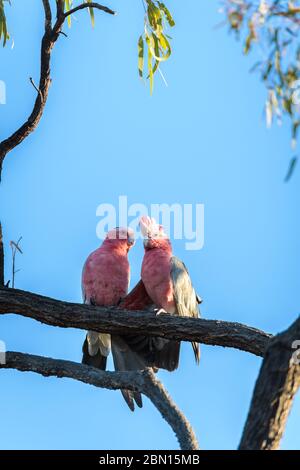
<point>201,140</point>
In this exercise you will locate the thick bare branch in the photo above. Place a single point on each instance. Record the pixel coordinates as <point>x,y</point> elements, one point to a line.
<point>276,386</point>
<point>95,5</point>
<point>121,321</point>
<point>144,382</point>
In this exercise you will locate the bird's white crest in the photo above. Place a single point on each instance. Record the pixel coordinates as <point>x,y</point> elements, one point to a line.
<point>150,228</point>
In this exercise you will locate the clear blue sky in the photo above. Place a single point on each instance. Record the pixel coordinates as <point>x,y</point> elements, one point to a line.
<point>97,140</point>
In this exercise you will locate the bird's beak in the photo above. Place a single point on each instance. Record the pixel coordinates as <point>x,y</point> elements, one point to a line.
<point>130,241</point>
<point>146,241</point>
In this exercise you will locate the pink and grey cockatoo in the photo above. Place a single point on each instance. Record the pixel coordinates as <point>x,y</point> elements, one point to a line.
<point>168,284</point>
<point>105,281</point>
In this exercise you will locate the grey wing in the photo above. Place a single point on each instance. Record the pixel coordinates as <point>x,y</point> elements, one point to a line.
<point>159,353</point>
<point>126,359</point>
<point>185,297</point>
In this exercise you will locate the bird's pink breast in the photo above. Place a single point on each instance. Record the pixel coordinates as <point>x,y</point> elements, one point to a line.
<point>105,277</point>
<point>157,280</point>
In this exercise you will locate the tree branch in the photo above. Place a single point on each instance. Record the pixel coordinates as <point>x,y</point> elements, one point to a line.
<point>1,258</point>
<point>89,5</point>
<point>60,5</point>
<point>276,386</point>
<point>48,15</point>
<point>121,321</point>
<point>48,41</point>
<point>44,83</point>
<point>144,382</point>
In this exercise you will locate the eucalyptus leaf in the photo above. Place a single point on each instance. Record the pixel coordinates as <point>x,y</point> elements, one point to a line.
<point>141,56</point>
<point>92,14</point>
<point>291,169</point>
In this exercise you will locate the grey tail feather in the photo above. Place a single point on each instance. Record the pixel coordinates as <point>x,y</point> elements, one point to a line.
<point>138,399</point>
<point>168,357</point>
<point>128,398</point>
<point>98,361</point>
<point>196,350</point>
<point>124,360</point>
<point>131,397</point>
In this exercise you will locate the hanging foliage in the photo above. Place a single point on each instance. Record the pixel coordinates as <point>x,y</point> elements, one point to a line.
<point>4,36</point>
<point>154,43</point>
<point>272,26</point>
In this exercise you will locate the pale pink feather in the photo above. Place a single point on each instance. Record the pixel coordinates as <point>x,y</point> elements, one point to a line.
<point>156,265</point>
<point>106,272</point>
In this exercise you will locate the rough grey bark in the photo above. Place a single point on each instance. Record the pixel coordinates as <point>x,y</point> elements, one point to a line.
<point>276,386</point>
<point>144,382</point>
<point>116,321</point>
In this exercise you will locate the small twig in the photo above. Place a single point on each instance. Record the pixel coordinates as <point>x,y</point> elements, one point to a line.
<point>15,247</point>
<point>63,33</point>
<point>35,87</point>
<point>289,13</point>
<point>89,5</point>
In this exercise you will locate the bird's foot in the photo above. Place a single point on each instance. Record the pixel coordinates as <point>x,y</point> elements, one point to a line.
<point>160,311</point>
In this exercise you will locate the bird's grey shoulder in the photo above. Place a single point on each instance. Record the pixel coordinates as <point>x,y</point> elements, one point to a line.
<point>178,266</point>
<point>185,296</point>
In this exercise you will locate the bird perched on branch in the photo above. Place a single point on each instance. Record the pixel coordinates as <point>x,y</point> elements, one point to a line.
<point>105,281</point>
<point>168,284</point>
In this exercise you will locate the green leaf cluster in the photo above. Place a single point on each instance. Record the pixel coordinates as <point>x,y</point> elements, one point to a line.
<point>273,26</point>
<point>154,44</point>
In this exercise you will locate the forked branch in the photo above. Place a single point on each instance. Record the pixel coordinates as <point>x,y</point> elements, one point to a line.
<point>144,382</point>
<point>49,39</point>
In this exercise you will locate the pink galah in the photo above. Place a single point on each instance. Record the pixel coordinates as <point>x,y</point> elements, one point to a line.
<point>105,281</point>
<point>168,284</point>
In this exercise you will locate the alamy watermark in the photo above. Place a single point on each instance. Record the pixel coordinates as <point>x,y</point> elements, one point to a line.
<point>2,353</point>
<point>180,221</point>
<point>2,92</point>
